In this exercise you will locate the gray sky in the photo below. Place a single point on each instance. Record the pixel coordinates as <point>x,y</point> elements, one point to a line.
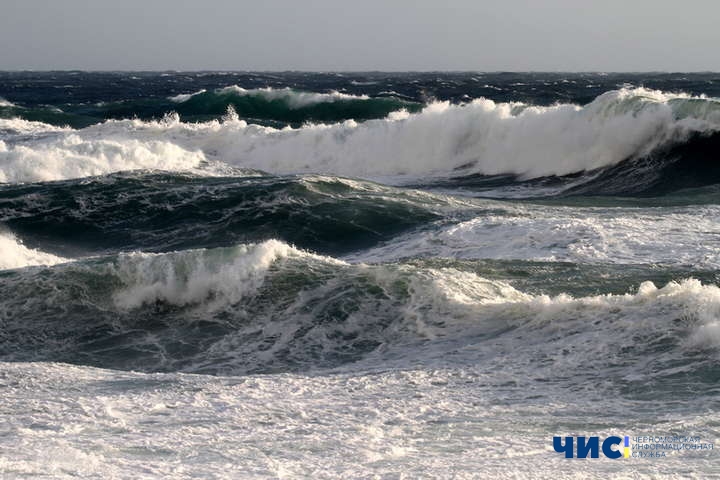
<point>609,35</point>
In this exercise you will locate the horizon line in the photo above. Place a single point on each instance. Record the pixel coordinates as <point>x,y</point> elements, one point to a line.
<point>607,72</point>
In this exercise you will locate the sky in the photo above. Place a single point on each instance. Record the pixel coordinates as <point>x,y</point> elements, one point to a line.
<point>339,35</point>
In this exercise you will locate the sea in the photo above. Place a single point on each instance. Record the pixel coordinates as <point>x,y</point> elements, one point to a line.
<point>359,275</point>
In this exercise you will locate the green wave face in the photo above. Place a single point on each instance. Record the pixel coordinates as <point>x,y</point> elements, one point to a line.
<point>171,211</point>
<point>266,107</point>
<point>291,106</point>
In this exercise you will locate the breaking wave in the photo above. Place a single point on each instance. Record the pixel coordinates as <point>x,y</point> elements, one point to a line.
<point>13,254</point>
<point>72,156</point>
<point>441,141</point>
<point>271,307</point>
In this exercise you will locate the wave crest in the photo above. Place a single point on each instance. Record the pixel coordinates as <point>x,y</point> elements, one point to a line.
<point>13,254</point>
<point>72,156</point>
<point>293,98</point>
<point>216,277</point>
<point>269,307</point>
<point>482,137</point>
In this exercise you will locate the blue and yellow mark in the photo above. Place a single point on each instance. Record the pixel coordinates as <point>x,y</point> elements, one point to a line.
<point>626,448</point>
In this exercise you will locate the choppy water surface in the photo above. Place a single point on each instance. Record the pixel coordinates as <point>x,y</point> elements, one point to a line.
<point>376,275</point>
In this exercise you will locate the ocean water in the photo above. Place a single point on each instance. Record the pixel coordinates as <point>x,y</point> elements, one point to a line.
<point>357,275</point>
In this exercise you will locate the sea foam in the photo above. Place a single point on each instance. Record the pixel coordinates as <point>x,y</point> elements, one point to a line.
<point>294,99</point>
<point>13,254</point>
<point>481,137</point>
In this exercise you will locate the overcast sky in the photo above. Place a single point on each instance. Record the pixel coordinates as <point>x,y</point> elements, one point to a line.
<point>569,35</point>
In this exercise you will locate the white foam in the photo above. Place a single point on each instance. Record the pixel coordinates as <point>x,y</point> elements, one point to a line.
<point>652,311</point>
<point>484,136</point>
<point>13,254</point>
<point>391,423</point>
<point>671,236</point>
<point>413,313</point>
<point>462,306</point>
<point>184,97</point>
<point>293,98</point>
<point>217,277</point>
<point>480,137</point>
<point>19,126</point>
<point>72,156</point>
<point>488,137</point>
